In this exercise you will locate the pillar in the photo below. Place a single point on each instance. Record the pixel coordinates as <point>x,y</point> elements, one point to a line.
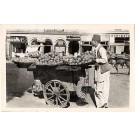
<point>80,47</point>
<point>67,43</point>
<point>41,48</point>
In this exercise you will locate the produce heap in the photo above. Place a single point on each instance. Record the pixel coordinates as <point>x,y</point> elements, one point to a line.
<point>32,57</point>
<point>51,58</point>
<point>85,58</point>
<point>35,54</point>
<point>25,60</point>
<point>54,58</point>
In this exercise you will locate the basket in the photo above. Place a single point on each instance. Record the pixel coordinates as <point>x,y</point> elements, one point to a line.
<point>23,64</point>
<point>47,65</point>
<point>34,56</point>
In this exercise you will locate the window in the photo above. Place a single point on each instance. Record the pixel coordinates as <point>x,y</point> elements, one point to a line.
<point>60,43</point>
<point>35,42</point>
<point>18,50</point>
<point>103,43</point>
<point>60,46</point>
<point>121,39</point>
<point>86,42</point>
<point>86,48</point>
<point>48,42</point>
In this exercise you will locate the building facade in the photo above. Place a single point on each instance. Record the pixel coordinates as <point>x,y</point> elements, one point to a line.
<point>19,42</point>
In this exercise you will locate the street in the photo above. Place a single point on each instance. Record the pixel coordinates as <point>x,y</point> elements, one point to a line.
<point>19,80</point>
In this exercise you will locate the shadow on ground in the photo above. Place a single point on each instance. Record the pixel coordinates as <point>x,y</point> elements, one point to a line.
<point>73,97</point>
<point>17,81</point>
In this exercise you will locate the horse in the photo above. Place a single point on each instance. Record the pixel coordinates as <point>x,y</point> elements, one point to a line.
<point>119,61</point>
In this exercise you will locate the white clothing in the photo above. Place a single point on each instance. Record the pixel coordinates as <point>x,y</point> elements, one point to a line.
<point>102,81</point>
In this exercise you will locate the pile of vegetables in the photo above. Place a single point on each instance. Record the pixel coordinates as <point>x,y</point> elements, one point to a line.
<point>35,54</point>
<point>54,58</point>
<point>25,60</point>
<point>84,58</point>
<point>51,58</point>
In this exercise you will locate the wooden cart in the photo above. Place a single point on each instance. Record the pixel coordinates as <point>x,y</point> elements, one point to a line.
<point>56,82</point>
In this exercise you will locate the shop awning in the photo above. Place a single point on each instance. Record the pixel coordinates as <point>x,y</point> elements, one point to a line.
<point>16,39</point>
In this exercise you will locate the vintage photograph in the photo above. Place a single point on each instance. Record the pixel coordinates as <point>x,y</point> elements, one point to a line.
<point>68,68</point>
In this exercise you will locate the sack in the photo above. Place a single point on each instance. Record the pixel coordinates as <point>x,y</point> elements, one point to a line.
<point>104,67</point>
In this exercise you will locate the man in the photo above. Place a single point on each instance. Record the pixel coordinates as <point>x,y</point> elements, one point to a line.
<point>102,73</point>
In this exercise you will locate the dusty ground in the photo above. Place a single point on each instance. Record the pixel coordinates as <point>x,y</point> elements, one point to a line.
<point>19,80</point>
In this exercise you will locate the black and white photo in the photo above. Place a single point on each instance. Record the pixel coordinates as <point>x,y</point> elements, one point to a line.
<point>85,67</point>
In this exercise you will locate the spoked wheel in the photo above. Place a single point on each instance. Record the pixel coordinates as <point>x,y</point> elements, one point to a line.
<point>55,93</point>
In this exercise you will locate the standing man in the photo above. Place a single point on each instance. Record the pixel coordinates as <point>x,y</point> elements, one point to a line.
<point>102,73</point>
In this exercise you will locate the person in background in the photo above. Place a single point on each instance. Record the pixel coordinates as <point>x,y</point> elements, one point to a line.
<point>63,53</point>
<point>102,73</point>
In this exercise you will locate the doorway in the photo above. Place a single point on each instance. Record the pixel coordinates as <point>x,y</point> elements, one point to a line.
<point>47,46</point>
<point>73,47</point>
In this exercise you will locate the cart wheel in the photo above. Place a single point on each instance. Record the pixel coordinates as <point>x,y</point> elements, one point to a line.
<point>55,93</point>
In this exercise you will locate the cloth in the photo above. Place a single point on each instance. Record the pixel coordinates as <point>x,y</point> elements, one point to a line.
<point>102,81</point>
<point>102,53</point>
<point>100,59</point>
<point>102,90</point>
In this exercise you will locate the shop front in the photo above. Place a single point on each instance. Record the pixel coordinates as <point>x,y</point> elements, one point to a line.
<point>119,43</point>
<point>60,46</point>
<point>16,46</point>
<point>68,43</point>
